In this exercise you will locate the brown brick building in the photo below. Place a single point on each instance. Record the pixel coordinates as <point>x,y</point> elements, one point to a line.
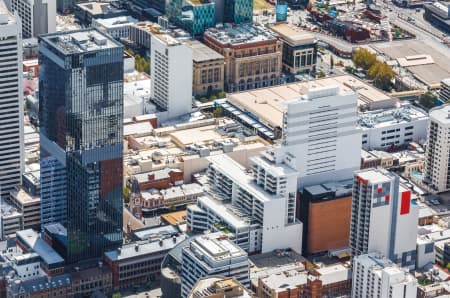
<point>325,211</point>
<point>252,55</point>
<point>328,281</point>
<point>160,179</point>
<point>140,262</point>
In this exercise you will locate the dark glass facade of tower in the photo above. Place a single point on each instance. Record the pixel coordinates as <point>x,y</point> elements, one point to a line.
<point>81,115</point>
<point>238,11</point>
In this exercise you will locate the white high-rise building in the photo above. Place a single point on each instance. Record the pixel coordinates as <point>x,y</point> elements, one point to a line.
<point>444,93</point>
<point>376,276</point>
<point>212,254</point>
<point>384,217</point>
<point>258,209</point>
<point>38,16</point>
<point>437,162</point>
<point>11,102</point>
<point>171,73</point>
<point>320,135</point>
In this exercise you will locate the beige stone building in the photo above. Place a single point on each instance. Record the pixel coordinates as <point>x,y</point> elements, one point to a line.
<point>208,69</point>
<point>252,55</point>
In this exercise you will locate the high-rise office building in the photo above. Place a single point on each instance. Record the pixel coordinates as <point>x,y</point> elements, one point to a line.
<point>81,114</point>
<point>320,138</point>
<point>197,16</point>
<point>212,254</point>
<point>171,72</point>
<point>53,192</point>
<point>65,6</point>
<point>384,217</point>
<point>238,11</point>
<point>376,276</point>
<point>38,16</point>
<point>444,93</point>
<point>437,156</point>
<point>193,16</point>
<point>11,102</point>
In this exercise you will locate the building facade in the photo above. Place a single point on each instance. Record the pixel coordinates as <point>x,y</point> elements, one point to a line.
<point>212,254</point>
<point>324,229</point>
<point>11,102</point>
<point>393,128</point>
<point>212,287</point>
<point>257,210</point>
<point>444,92</point>
<point>171,72</point>
<point>438,13</point>
<point>38,16</point>
<point>81,126</point>
<point>252,56</point>
<point>29,206</point>
<point>320,138</point>
<point>384,217</point>
<point>11,221</point>
<point>236,11</point>
<point>140,262</point>
<point>191,15</point>
<point>117,28</point>
<point>299,49</point>
<point>438,149</point>
<point>53,191</point>
<point>208,69</point>
<point>376,276</point>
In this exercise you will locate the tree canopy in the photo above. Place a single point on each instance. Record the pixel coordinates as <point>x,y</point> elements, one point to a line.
<point>381,73</point>
<point>363,58</point>
<point>427,100</point>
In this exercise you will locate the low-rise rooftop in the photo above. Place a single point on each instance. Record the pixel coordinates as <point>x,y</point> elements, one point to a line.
<point>98,7</point>
<point>240,34</point>
<point>141,248</point>
<point>215,248</point>
<point>268,104</point>
<point>116,22</point>
<point>36,244</point>
<point>34,286</point>
<point>24,198</point>
<point>293,34</point>
<point>388,117</point>
<point>202,53</point>
<point>212,286</point>
<point>174,218</point>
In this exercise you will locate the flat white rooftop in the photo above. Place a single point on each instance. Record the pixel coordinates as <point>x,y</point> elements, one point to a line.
<point>389,117</point>
<point>375,176</point>
<point>441,114</point>
<point>80,41</point>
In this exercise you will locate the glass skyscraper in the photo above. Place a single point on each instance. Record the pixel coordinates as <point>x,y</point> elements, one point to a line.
<point>81,115</point>
<point>238,11</point>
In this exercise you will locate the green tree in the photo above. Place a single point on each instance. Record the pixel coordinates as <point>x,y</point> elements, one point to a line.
<point>221,94</point>
<point>381,74</point>
<point>331,62</point>
<point>321,74</point>
<point>217,112</point>
<point>126,194</point>
<point>427,100</point>
<point>363,58</point>
<point>141,64</point>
